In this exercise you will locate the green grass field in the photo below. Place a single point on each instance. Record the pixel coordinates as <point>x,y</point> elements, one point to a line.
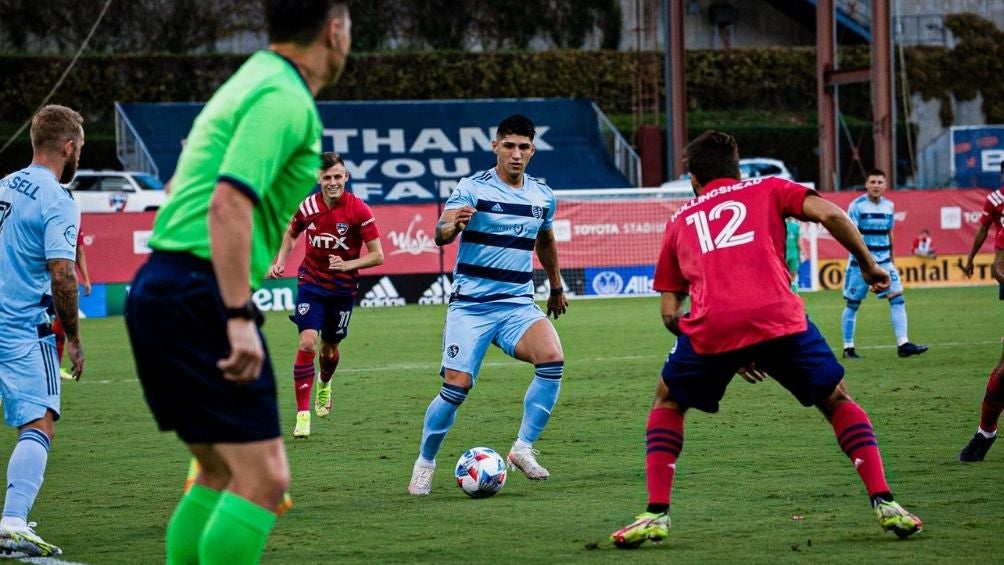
<point>763,481</point>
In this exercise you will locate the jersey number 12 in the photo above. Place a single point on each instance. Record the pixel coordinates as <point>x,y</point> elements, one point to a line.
<point>727,237</point>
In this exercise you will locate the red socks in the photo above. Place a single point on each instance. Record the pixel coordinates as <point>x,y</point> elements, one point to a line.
<point>328,366</point>
<point>303,379</point>
<point>664,440</point>
<point>857,438</point>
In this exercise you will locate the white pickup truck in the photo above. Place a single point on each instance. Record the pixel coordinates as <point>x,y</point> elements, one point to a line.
<point>116,191</point>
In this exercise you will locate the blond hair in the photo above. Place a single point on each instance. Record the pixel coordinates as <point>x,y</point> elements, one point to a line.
<point>53,125</point>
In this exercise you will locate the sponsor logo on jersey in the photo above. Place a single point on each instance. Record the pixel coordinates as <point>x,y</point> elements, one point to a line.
<point>438,292</point>
<point>71,235</point>
<point>382,294</point>
<point>452,350</point>
<point>497,207</point>
<point>328,241</point>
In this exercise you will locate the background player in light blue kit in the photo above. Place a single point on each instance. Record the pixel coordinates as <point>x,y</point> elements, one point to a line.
<point>502,216</point>
<point>38,237</point>
<point>873,214</point>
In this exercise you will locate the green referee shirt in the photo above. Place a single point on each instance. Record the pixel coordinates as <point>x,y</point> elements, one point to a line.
<point>261,132</point>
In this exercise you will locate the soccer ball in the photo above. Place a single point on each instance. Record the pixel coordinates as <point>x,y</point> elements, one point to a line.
<point>481,472</point>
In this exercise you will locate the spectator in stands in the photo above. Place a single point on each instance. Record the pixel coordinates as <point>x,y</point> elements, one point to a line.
<point>923,245</point>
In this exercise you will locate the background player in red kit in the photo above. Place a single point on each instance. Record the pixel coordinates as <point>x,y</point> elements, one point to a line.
<point>725,249</point>
<point>337,225</point>
<point>993,399</point>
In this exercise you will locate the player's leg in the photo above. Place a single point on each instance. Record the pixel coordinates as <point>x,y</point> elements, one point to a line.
<point>990,412</point>
<point>184,529</point>
<point>688,379</point>
<point>897,315</point>
<point>466,336</point>
<point>855,290</point>
<point>338,312</point>
<point>243,517</point>
<point>529,336</point>
<point>309,319</point>
<point>30,389</point>
<point>806,367</point>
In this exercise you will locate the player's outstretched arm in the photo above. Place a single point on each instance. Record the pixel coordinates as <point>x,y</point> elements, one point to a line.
<point>818,209</point>
<point>66,301</point>
<point>230,245</point>
<point>372,258</point>
<point>547,251</point>
<point>999,265</point>
<point>671,308</point>
<point>451,223</point>
<point>278,267</point>
<point>981,236</point>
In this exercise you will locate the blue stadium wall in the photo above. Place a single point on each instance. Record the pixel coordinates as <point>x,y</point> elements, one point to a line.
<point>416,151</point>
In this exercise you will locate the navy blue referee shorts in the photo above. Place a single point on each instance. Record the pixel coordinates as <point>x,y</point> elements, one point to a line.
<point>174,315</point>
<point>802,363</point>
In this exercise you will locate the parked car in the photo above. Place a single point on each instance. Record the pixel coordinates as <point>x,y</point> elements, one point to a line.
<point>751,167</point>
<point>116,191</point>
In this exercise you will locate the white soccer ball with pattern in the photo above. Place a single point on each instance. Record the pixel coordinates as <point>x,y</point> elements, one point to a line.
<point>481,472</point>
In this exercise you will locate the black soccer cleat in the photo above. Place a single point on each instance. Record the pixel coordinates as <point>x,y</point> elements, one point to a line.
<point>849,353</point>
<point>976,449</point>
<point>908,349</point>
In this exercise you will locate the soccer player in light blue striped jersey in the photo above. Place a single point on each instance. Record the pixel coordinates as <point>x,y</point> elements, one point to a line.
<point>874,216</point>
<point>38,243</point>
<point>502,216</point>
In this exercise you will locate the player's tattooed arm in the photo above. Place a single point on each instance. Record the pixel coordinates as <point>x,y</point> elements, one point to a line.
<point>451,223</point>
<point>672,309</point>
<point>65,296</point>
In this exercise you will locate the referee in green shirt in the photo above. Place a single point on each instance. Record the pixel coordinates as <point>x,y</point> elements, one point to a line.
<point>250,158</point>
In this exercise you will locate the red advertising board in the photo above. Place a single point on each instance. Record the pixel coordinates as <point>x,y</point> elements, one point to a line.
<point>590,233</point>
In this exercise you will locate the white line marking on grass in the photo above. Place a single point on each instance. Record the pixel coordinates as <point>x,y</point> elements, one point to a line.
<point>659,356</point>
<point>38,560</point>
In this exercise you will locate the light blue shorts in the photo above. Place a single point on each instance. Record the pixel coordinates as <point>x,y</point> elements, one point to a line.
<point>855,287</point>
<point>30,384</point>
<point>471,327</point>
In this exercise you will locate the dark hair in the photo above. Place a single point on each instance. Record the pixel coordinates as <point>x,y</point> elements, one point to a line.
<point>516,124</point>
<point>300,21</point>
<point>330,159</point>
<point>875,173</point>
<point>712,155</point>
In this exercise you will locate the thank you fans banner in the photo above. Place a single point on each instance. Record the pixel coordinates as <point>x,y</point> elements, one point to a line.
<point>408,152</point>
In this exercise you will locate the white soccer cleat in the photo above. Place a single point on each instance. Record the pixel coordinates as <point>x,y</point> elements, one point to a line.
<point>24,540</point>
<point>421,479</point>
<point>302,428</point>
<point>525,461</point>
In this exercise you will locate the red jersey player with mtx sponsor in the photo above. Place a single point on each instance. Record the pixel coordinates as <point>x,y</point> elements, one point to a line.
<point>337,224</point>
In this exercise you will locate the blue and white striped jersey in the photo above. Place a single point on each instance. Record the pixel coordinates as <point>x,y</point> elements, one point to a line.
<point>38,222</point>
<point>495,260</point>
<point>875,222</point>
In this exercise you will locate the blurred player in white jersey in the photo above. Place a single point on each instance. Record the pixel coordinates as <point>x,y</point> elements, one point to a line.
<point>502,216</point>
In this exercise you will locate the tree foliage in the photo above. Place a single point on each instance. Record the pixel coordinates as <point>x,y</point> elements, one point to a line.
<point>196,26</point>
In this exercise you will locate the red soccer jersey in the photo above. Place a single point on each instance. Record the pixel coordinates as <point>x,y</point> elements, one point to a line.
<point>341,230</point>
<point>726,250</point>
<point>993,213</point>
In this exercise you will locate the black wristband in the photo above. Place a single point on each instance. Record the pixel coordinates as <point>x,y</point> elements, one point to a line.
<point>248,311</point>
<point>557,291</point>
